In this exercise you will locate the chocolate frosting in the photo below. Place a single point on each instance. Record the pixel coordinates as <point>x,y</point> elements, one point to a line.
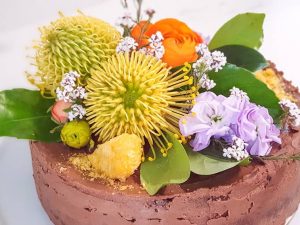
<point>261,193</point>
<point>256,194</point>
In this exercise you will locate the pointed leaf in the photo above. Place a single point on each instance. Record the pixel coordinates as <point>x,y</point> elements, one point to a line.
<point>244,29</point>
<point>207,164</point>
<point>244,57</point>
<point>23,114</point>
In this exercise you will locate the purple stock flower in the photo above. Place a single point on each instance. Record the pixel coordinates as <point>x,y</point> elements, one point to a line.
<point>255,126</point>
<point>210,117</point>
<point>221,117</point>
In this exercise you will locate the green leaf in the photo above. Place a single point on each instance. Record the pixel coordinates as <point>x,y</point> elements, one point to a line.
<point>245,57</point>
<point>244,29</point>
<point>207,165</point>
<point>258,92</point>
<point>172,169</point>
<point>23,114</point>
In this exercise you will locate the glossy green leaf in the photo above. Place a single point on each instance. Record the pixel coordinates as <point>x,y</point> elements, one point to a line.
<point>233,76</point>
<point>23,114</point>
<point>207,164</point>
<point>172,169</point>
<point>244,29</point>
<point>244,57</point>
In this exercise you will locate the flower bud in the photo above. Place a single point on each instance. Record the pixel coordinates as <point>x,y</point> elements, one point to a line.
<point>76,134</point>
<point>58,111</point>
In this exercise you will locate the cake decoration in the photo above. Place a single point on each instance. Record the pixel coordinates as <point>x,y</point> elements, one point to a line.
<point>158,99</point>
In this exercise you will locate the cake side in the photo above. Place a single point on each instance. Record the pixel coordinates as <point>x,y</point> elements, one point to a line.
<point>255,194</point>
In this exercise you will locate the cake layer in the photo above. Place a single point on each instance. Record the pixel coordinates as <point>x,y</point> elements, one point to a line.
<point>257,194</point>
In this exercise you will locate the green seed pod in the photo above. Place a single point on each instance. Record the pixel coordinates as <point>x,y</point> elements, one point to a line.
<point>78,43</point>
<point>76,134</point>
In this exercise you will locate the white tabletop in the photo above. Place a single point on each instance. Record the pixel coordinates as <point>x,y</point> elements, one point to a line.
<point>19,204</point>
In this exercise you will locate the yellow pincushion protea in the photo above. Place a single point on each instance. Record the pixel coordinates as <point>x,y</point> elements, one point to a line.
<point>137,94</point>
<point>78,43</point>
<point>119,157</point>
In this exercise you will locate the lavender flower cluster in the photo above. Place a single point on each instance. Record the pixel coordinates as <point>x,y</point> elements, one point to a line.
<point>208,61</point>
<point>69,91</point>
<point>220,117</point>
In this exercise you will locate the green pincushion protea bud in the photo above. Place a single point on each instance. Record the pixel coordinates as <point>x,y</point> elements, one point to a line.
<point>76,134</point>
<point>79,43</point>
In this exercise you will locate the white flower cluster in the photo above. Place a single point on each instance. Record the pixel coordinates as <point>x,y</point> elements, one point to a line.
<point>292,111</point>
<point>126,20</point>
<point>237,150</point>
<point>206,83</point>
<point>156,47</point>
<point>70,92</point>
<point>77,112</point>
<point>127,44</point>
<point>208,61</point>
<point>239,93</point>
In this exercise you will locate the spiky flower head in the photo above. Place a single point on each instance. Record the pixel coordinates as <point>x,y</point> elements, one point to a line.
<point>136,94</point>
<point>77,43</point>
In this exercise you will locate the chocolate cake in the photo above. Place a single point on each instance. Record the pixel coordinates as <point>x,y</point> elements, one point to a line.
<point>157,125</point>
<point>262,193</point>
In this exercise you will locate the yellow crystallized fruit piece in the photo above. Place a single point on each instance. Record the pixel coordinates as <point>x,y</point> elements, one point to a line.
<point>119,157</point>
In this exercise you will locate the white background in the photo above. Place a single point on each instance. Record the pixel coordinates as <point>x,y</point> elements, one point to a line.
<point>19,20</point>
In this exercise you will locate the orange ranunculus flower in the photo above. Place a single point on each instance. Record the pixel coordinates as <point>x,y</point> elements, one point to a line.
<point>179,40</point>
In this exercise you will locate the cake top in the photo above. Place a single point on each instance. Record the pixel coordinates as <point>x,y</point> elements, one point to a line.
<point>152,95</point>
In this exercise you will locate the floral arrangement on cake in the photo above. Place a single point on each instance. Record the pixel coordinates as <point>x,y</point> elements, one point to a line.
<point>156,97</point>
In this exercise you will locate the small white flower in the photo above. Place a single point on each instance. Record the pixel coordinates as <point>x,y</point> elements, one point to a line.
<point>159,51</point>
<point>156,38</point>
<point>68,90</point>
<point>127,44</point>
<point>77,112</point>
<point>292,110</point>
<point>239,93</point>
<point>202,49</point>
<point>126,20</point>
<point>202,65</point>
<point>73,74</point>
<point>219,60</point>
<point>64,95</point>
<point>288,104</point>
<point>69,79</point>
<point>206,83</point>
<point>155,47</point>
<point>146,51</point>
<point>79,93</point>
<point>237,150</point>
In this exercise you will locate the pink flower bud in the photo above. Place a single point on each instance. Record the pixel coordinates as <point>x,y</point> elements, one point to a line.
<point>58,111</point>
